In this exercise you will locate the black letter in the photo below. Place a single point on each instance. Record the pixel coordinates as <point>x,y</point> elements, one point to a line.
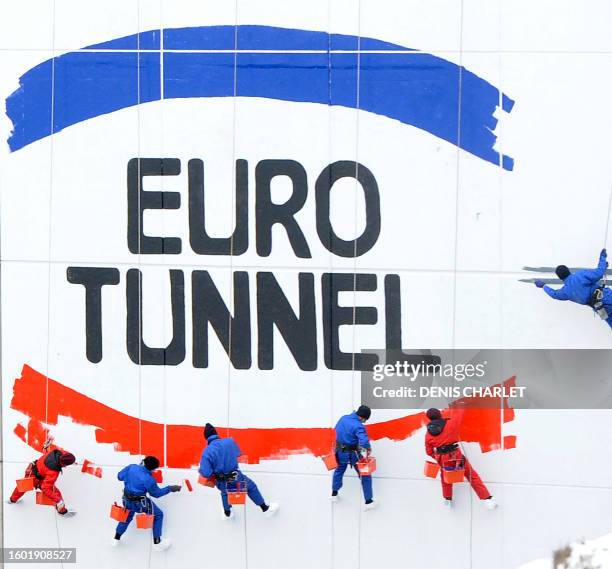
<point>93,279</point>
<point>139,200</point>
<point>273,308</point>
<point>268,213</point>
<point>201,242</point>
<point>393,313</point>
<point>335,316</point>
<point>174,353</point>
<point>208,307</point>
<point>330,175</point>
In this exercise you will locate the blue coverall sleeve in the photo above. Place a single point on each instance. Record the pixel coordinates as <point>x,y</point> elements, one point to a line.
<point>597,274</point>
<point>362,437</point>
<point>121,474</point>
<point>206,468</point>
<point>154,490</point>
<point>560,294</point>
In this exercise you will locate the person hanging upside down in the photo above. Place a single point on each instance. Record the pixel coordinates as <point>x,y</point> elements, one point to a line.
<point>583,287</point>
<point>45,472</point>
<point>442,444</point>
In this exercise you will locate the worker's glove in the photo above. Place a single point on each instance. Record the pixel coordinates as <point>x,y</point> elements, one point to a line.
<point>368,451</point>
<point>174,488</point>
<point>539,283</point>
<point>604,253</point>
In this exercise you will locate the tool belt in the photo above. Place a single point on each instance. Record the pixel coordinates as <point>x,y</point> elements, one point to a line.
<point>34,470</point>
<point>346,448</point>
<point>446,449</point>
<point>227,476</point>
<point>132,498</point>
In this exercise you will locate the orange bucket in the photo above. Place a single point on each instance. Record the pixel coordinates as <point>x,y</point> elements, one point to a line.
<point>25,484</point>
<point>366,466</point>
<point>42,500</point>
<point>330,461</point>
<point>144,521</point>
<point>237,497</point>
<point>118,513</point>
<point>454,476</point>
<point>431,469</point>
<point>210,482</point>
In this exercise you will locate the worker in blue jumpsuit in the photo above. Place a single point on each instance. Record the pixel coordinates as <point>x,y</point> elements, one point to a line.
<point>584,287</point>
<point>220,460</point>
<point>138,482</point>
<point>352,442</point>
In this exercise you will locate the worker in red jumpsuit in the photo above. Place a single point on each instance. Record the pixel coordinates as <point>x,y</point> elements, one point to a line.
<point>442,444</point>
<point>45,472</point>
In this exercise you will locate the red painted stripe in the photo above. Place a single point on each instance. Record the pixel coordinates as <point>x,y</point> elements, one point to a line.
<point>184,443</point>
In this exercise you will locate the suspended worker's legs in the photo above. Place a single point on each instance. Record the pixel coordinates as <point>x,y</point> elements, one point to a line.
<point>122,526</point>
<point>252,490</point>
<point>158,520</point>
<point>244,483</point>
<point>447,460</point>
<point>16,495</point>
<point>227,508</point>
<point>475,481</point>
<point>343,459</point>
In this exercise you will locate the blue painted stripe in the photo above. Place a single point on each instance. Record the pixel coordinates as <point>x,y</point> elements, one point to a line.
<point>414,88</point>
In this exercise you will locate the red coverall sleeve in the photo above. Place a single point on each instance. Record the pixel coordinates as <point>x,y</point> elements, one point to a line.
<point>48,487</point>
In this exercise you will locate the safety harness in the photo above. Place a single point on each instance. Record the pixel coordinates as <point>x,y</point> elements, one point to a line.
<point>596,302</point>
<point>446,449</point>
<point>227,476</point>
<point>35,472</point>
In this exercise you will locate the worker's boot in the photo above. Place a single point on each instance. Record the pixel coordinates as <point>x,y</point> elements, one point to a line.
<point>161,545</point>
<point>228,515</point>
<point>490,503</point>
<point>371,505</point>
<point>448,502</point>
<point>334,497</point>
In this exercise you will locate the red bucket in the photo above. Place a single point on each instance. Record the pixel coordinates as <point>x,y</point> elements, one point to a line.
<point>431,469</point>
<point>25,484</point>
<point>237,497</point>
<point>210,482</point>
<point>330,461</point>
<point>366,466</point>
<point>118,513</point>
<point>144,521</point>
<point>42,500</point>
<point>454,476</point>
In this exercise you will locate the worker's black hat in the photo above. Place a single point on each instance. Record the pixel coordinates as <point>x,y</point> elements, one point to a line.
<point>151,462</point>
<point>563,272</point>
<point>209,431</point>
<point>364,412</point>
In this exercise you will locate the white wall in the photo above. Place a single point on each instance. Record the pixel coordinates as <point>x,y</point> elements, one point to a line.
<point>456,228</point>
